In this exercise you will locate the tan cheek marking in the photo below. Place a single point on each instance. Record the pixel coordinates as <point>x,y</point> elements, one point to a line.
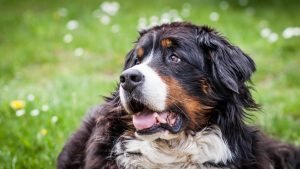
<point>197,112</point>
<point>166,43</point>
<point>140,52</point>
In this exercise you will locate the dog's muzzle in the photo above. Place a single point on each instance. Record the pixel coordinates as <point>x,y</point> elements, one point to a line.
<point>130,79</point>
<point>143,94</point>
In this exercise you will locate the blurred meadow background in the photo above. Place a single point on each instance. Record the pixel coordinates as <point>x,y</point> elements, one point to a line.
<point>58,58</point>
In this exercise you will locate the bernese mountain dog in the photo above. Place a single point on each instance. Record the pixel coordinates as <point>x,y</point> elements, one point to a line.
<point>181,103</point>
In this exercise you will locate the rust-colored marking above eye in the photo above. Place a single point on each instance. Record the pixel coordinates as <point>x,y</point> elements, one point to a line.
<point>166,43</point>
<point>140,52</point>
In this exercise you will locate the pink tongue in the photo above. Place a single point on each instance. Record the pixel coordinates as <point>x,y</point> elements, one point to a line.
<point>143,121</point>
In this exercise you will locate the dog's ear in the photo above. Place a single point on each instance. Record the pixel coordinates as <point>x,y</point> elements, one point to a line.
<point>229,65</point>
<point>129,59</point>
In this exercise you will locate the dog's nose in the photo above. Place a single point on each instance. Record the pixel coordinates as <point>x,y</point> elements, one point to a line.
<point>130,79</point>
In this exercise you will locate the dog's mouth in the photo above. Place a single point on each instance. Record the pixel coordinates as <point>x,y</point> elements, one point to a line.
<point>150,122</point>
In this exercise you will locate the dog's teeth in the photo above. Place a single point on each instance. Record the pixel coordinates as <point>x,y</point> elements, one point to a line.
<point>159,118</point>
<point>171,118</point>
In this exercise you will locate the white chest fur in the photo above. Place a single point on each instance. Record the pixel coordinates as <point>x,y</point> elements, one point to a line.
<point>186,151</point>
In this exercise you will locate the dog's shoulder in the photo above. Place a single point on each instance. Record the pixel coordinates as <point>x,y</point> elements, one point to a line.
<point>90,146</point>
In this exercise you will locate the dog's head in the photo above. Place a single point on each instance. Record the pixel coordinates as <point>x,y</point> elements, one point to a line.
<point>177,75</point>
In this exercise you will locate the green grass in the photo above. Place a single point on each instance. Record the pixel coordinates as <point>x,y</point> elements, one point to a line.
<point>35,60</point>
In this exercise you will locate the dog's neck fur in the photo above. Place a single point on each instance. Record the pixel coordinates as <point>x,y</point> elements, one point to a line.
<point>186,151</point>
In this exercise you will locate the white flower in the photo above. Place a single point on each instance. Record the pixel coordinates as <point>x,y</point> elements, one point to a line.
<point>62,12</point>
<point>214,16</point>
<point>68,38</point>
<point>165,18</point>
<point>177,19</point>
<point>265,32</point>
<point>273,37</point>
<point>111,8</point>
<point>45,108</point>
<point>30,97</point>
<point>143,20</point>
<point>35,112</point>
<point>269,35</point>
<point>173,13</point>
<point>20,112</point>
<point>185,13</point>
<point>78,52</point>
<point>154,20</point>
<point>54,119</point>
<point>224,5</point>
<point>115,28</point>
<point>290,32</point>
<point>142,23</point>
<point>186,6</point>
<point>105,19</point>
<point>72,25</point>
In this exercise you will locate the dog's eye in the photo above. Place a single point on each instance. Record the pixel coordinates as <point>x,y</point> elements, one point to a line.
<point>174,59</point>
<point>136,61</point>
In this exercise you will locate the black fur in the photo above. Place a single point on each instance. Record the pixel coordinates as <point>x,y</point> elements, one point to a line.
<point>210,59</point>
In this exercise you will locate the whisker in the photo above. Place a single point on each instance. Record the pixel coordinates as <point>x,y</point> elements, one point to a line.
<point>170,97</point>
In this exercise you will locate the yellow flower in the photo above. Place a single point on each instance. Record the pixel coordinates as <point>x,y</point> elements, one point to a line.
<point>17,104</point>
<point>43,132</point>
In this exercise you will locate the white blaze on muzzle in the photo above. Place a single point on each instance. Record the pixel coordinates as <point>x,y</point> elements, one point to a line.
<point>153,90</point>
